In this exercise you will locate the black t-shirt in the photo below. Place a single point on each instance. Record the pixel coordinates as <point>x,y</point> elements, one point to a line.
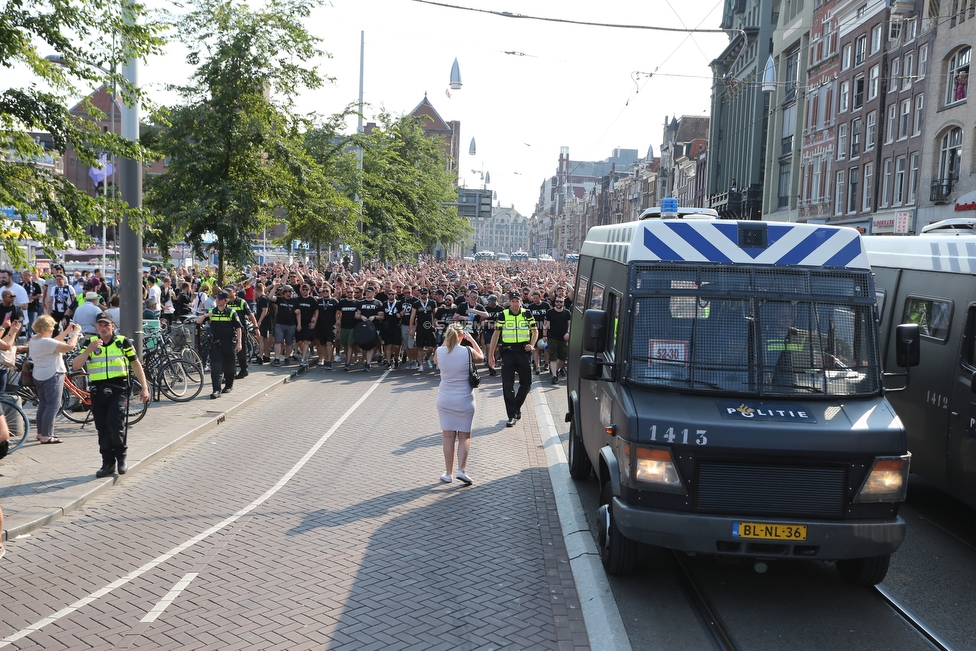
<point>424,314</point>
<point>286,311</point>
<point>372,308</point>
<point>348,308</point>
<point>308,306</point>
<point>16,314</point>
<point>445,315</point>
<point>407,304</point>
<point>494,313</point>
<point>183,304</point>
<point>327,312</point>
<point>539,311</point>
<point>558,322</point>
<point>262,303</point>
<point>33,289</point>
<point>391,314</point>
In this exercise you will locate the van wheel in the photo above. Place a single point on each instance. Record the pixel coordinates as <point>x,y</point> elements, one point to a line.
<point>864,571</point>
<point>579,464</point>
<point>617,552</point>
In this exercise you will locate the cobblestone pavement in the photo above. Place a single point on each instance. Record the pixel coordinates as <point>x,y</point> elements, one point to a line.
<point>312,518</point>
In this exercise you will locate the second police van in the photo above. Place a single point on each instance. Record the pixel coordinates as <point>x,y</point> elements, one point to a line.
<point>729,393</point>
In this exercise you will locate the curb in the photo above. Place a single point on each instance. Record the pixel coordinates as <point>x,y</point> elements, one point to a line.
<point>218,417</point>
<point>604,627</point>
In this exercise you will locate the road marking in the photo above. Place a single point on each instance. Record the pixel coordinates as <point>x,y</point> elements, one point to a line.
<point>162,558</point>
<point>604,627</point>
<point>170,597</point>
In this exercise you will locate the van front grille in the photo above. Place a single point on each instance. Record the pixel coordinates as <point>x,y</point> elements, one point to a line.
<point>770,490</point>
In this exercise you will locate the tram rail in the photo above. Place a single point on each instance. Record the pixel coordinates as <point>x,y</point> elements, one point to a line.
<point>914,622</point>
<point>704,609</point>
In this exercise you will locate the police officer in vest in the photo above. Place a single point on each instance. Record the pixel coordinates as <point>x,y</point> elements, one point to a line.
<point>516,330</point>
<point>243,310</point>
<point>111,358</point>
<point>225,342</point>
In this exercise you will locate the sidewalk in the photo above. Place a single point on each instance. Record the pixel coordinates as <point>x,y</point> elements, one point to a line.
<point>40,483</point>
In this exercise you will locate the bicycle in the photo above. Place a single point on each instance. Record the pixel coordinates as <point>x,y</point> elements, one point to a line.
<point>17,422</point>
<point>76,400</point>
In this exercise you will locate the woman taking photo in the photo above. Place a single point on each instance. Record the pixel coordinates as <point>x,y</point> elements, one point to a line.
<point>455,401</point>
<point>46,353</point>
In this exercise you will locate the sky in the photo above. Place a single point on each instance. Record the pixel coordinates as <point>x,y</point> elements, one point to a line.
<point>565,85</point>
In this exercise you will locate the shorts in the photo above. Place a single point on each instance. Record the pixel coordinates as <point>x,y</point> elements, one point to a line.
<point>266,328</point>
<point>305,334</point>
<point>392,336</point>
<point>426,338</point>
<point>346,338</point>
<point>559,348</point>
<point>406,338</point>
<point>325,334</point>
<point>284,334</point>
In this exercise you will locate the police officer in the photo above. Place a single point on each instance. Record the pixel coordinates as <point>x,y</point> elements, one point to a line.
<point>225,341</point>
<point>110,358</point>
<point>517,332</point>
<point>235,302</point>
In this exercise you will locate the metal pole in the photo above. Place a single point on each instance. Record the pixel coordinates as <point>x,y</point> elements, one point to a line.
<point>130,243</point>
<point>357,261</point>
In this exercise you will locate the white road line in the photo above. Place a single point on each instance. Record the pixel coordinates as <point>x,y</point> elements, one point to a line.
<point>604,627</point>
<point>162,558</point>
<point>170,597</point>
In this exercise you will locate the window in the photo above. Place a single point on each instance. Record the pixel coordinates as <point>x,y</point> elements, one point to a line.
<point>913,178</point>
<point>899,189</point>
<point>895,74</point>
<point>871,131</point>
<point>792,74</point>
<point>873,78</point>
<point>815,191</point>
<point>596,300</point>
<point>852,195</point>
<point>839,196</point>
<point>855,138</point>
<point>923,61</point>
<point>906,79</point>
<point>957,76</point>
<point>894,32</point>
<point>841,141</point>
<point>785,174</point>
<point>906,113</point>
<point>919,101</point>
<point>858,92</point>
<point>890,126</point>
<point>932,316</point>
<point>845,59</point>
<point>911,29</point>
<point>885,183</point>
<point>950,155</point>
<point>860,49</point>
<point>580,303</point>
<point>845,93</point>
<point>866,200</point>
<point>875,39</point>
<point>789,128</point>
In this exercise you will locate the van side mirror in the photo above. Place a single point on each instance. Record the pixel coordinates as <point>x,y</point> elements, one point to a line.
<point>907,348</point>
<point>590,367</point>
<point>594,331</point>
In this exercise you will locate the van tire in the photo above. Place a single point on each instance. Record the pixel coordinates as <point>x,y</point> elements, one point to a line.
<point>618,553</point>
<point>864,571</point>
<point>579,464</point>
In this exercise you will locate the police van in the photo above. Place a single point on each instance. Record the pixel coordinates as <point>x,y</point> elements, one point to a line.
<point>729,393</point>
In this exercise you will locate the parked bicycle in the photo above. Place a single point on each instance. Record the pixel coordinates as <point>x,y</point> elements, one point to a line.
<point>17,421</point>
<point>76,400</point>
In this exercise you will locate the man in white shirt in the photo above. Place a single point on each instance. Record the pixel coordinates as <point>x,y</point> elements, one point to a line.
<point>154,299</point>
<point>86,314</point>
<point>20,294</point>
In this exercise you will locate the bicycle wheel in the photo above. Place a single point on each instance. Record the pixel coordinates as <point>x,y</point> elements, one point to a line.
<point>179,380</point>
<point>137,408</point>
<point>76,404</point>
<point>192,356</point>
<point>17,423</point>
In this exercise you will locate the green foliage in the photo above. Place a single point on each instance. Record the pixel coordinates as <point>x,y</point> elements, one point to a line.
<point>236,151</point>
<point>404,188</point>
<point>84,34</point>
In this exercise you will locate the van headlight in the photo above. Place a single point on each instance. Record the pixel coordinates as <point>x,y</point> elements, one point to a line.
<point>887,481</point>
<point>644,467</point>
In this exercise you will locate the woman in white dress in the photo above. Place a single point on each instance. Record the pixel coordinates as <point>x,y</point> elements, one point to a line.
<point>455,402</point>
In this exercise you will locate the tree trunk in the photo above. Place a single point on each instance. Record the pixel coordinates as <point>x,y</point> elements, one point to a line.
<point>220,263</point>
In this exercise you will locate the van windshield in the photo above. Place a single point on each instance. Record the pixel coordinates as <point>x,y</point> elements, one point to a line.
<point>759,331</point>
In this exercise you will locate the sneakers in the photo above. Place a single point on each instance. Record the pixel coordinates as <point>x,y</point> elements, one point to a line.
<point>366,367</point>
<point>348,367</point>
<point>492,372</point>
<point>538,372</point>
<point>276,362</point>
<point>446,478</point>
<point>555,379</point>
<point>463,477</point>
<point>328,366</point>
<point>562,371</point>
<point>266,359</point>
<point>510,423</point>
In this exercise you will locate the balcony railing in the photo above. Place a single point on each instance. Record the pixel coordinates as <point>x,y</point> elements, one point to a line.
<point>940,190</point>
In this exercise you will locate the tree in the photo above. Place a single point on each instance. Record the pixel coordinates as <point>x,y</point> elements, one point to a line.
<point>405,187</point>
<point>83,34</point>
<point>235,148</point>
